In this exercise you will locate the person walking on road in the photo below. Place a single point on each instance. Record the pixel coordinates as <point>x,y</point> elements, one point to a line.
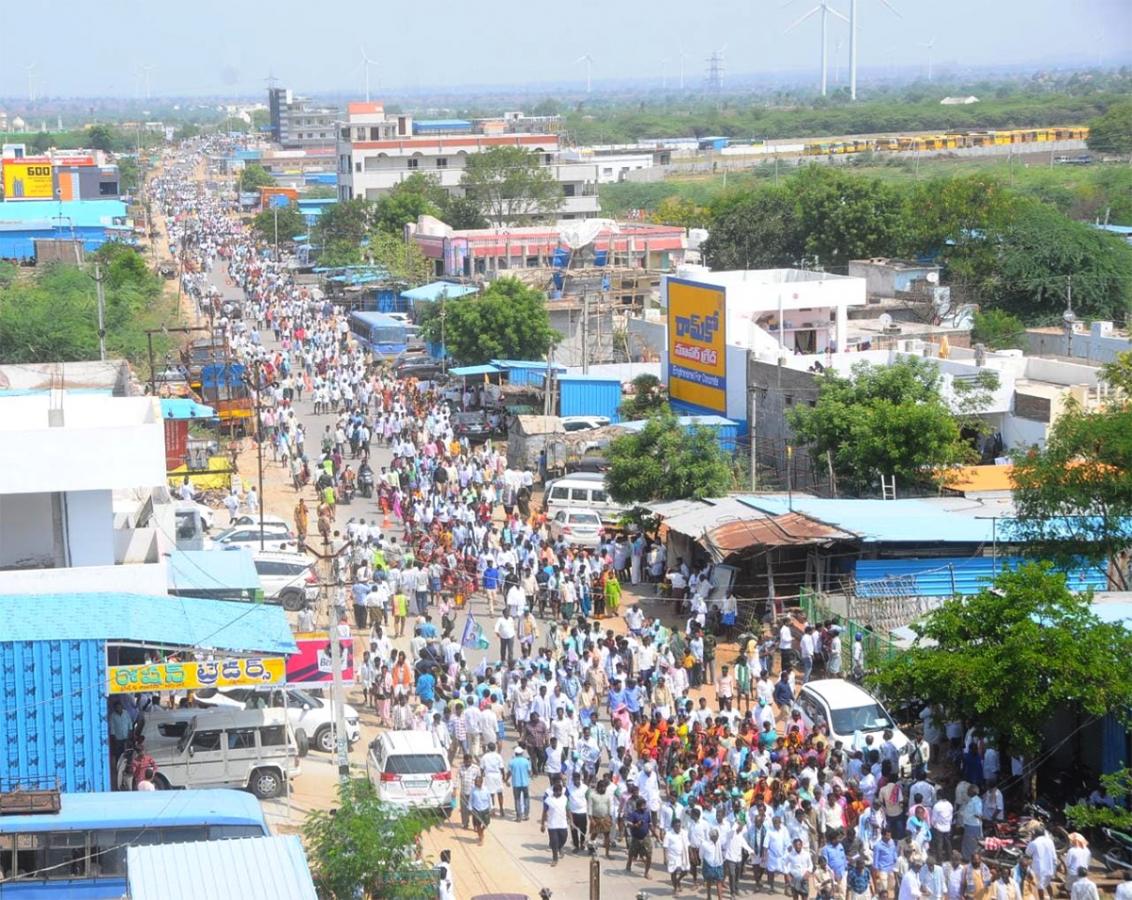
<point>518,775</point>
<point>554,820</point>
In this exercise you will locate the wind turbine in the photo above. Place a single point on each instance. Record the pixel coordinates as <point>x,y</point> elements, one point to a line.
<point>825,9</point>
<point>929,46</point>
<point>683,59</point>
<point>664,72</point>
<point>588,60</point>
<point>853,43</point>
<point>366,63</point>
<point>146,70</point>
<point>30,67</point>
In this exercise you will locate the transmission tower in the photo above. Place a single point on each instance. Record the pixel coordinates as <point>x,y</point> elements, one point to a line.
<point>715,72</point>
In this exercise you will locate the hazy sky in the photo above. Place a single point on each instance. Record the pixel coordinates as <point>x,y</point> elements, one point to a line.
<point>214,47</point>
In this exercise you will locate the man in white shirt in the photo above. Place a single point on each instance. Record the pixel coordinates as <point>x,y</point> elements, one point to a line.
<point>505,631</point>
<point>942,814</point>
<point>799,865</point>
<point>786,645</point>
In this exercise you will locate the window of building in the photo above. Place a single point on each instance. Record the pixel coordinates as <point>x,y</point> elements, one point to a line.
<point>532,262</point>
<point>357,167</point>
<point>374,133</point>
<point>412,162</point>
<point>441,162</point>
<point>568,190</point>
<point>107,188</point>
<point>344,134</point>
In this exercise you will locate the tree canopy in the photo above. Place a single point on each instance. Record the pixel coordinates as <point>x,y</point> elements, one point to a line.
<point>647,398</point>
<point>755,230</point>
<point>507,321</point>
<point>365,848</point>
<point>664,461</point>
<point>1073,497</point>
<point>1008,658</point>
<point>998,330</point>
<point>253,177</point>
<point>290,223</point>
<point>1111,132</point>
<point>509,186</point>
<point>881,420</point>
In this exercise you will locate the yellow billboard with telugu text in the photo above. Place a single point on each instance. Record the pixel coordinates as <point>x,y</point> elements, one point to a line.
<point>28,180</point>
<point>697,345</point>
<point>193,676</point>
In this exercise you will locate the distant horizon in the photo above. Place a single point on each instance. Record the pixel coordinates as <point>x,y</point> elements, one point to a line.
<point>220,49</point>
<point>743,83</point>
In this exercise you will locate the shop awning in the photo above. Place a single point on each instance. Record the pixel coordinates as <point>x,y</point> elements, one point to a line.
<point>470,371</point>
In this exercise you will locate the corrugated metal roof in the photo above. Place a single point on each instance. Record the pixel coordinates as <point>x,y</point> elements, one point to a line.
<point>772,531</point>
<point>212,570</point>
<point>437,289</point>
<point>711,514</point>
<point>950,576</point>
<point>178,621</point>
<point>888,521</point>
<point>185,408</point>
<point>259,868</point>
<point>469,371</point>
<point>113,809</point>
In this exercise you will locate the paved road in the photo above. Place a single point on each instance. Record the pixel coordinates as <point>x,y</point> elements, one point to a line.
<point>515,857</point>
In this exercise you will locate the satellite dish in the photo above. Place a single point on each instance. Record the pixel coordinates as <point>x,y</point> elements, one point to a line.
<point>885,320</point>
<point>932,277</point>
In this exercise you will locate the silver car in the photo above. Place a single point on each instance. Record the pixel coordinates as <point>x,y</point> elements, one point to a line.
<point>577,526</point>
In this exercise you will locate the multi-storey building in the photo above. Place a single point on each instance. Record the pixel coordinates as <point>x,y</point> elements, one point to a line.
<point>377,151</point>
<point>297,123</point>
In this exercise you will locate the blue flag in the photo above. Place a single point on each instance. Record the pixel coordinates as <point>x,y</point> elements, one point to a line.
<point>470,637</point>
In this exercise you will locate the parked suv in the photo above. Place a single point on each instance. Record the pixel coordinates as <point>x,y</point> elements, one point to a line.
<point>287,578</point>
<point>277,536</point>
<point>310,715</point>
<point>254,749</point>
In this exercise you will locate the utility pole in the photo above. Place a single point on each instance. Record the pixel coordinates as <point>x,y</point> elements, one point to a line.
<point>341,748</point>
<point>443,336</point>
<point>275,216</point>
<point>101,304</point>
<point>259,445</point>
<point>751,398</point>
<point>585,333</point>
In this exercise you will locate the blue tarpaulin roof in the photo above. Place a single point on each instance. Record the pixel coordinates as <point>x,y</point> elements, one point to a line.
<point>468,371</point>
<point>526,364</point>
<point>252,868</point>
<point>139,810</point>
<point>177,621</point>
<point>944,577</point>
<point>64,214</point>
<point>885,521</point>
<point>430,293</point>
<point>212,570</point>
<point>185,408</point>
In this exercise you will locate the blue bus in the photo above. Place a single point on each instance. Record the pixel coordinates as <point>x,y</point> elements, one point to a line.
<point>80,851</point>
<point>382,333</point>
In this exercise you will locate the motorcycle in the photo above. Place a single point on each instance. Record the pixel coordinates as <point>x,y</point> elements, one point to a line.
<point>365,482</point>
<point>1117,856</point>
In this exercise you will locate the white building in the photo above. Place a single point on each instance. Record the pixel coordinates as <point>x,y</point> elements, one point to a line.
<point>793,310</point>
<point>81,472</point>
<point>377,151</point>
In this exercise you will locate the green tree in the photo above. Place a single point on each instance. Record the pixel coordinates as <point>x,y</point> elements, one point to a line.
<point>1117,785</point>
<point>680,211</point>
<point>41,142</point>
<point>507,321</point>
<point>290,223</point>
<point>754,230</point>
<point>1038,255</point>
<point>345,223</point>
<point>1112,131</point>
<point>364,848</point>
<point>646,400</point>
<point>129,174</point>
<point>882,420</point>
<point>510,186</point>
<point>416,196</point>
<point>846,217</point>
<point>462,212</point>
<point>101,137</point>
<point>664,461</point>
<point>253,177</point>
<point>1073,497</point>
<point>402,259</point>
<point>998,330</point>
<point>1010,657</point>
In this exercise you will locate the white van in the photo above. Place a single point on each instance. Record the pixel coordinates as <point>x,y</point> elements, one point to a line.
<point>582,490</point>
<point>409,769</point>
<point>222,748</point>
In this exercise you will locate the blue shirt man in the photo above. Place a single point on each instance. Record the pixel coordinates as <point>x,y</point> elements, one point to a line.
<point>520,768</point>
<point>490,578</point>
<point>834,855</point>
<point>426,688</point>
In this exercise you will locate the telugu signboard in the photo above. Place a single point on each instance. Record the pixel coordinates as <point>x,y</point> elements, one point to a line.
<point>697,345</point>
<point>28,180</point>
<point>311,665</point>
<point>193,676</point>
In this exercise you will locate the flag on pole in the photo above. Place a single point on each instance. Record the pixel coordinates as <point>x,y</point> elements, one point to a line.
<point>473,635</point>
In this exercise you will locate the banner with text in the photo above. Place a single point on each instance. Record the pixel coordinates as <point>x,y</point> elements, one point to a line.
<point>192,676</point>
<point>312,666</point>
<point>28,180</point>
<point>697,344</point>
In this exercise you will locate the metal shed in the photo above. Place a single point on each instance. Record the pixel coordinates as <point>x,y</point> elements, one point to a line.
<point>253,868</point>
<point>589,395</point>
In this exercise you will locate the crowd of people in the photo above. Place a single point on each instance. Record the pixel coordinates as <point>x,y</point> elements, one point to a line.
<point>621,729</point>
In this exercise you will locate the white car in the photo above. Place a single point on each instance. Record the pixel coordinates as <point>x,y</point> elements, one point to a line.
<point>577,526</point>
<point>250,519</point>
<point>276,537</point>
<point>307,713</point>
<point>409,769</point>
<point>289,579</point>
<point>583,423</point>
<point>850,712</point>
